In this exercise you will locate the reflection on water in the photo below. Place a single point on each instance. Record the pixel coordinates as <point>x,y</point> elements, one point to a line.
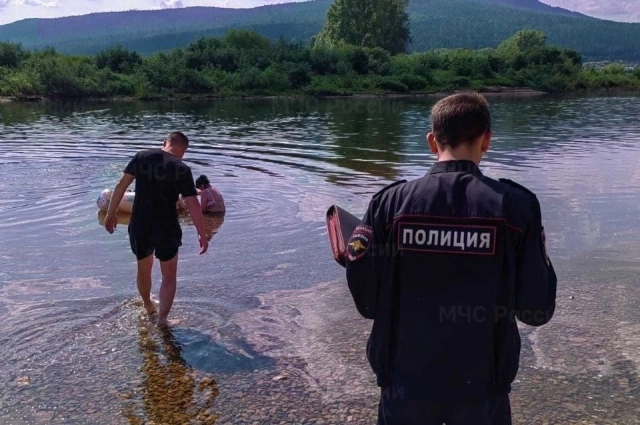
<point>121,217</point>
<point>170,392</point>
<point>369,139</point>
<point>179,369</point>
<point>264,318</point>
<point>212,222</point>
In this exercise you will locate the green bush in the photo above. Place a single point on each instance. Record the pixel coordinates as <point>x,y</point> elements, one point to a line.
<point>613,69</point>
<point>359,60</point>
<point>274,79</point>
<point>11,55</point>
<point>17,83</point>
<point>299,76</point>
<point>247,80</point>
<point>243,62</point>
<point>325,86</point>
<point>324,62</point>
<point>391,84</point>
<point>378,61</point>
<point>413,82</point>
<point>192,82</point>
<point>460,82</point>
<point>118,59</point>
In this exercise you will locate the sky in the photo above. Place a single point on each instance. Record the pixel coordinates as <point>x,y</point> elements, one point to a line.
<point>615,10</point>
<point>13,10</point>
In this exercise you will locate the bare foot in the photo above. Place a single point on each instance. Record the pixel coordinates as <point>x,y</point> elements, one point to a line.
<point>162,323</point>
<point>150,308</point>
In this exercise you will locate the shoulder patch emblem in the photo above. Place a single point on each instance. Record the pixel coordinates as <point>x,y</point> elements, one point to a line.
<point>360,242</point>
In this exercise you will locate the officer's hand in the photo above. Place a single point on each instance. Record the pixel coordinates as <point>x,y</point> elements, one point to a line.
<point>204,244</point>
<point>110,223</point>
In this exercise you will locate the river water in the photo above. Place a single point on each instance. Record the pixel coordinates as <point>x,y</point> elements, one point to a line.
<point>263,327</point>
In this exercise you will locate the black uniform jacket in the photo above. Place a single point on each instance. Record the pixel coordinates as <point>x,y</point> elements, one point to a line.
<point>444,265</point>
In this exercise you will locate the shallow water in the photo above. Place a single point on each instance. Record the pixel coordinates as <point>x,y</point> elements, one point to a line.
<point>264,330</point>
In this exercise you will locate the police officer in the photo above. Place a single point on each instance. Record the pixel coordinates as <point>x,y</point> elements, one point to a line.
<point>444,265</point>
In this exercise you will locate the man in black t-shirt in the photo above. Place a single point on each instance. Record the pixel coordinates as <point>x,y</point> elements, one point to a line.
<point>161,177</point>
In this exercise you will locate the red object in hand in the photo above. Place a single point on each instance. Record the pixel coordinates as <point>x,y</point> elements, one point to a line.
<point>340,225</point>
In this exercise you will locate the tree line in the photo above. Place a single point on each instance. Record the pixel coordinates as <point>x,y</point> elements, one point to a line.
<point>242,62</point>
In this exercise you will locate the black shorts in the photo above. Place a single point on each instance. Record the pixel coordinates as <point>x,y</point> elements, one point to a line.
<point>394,409</point>
<point>160,237</point>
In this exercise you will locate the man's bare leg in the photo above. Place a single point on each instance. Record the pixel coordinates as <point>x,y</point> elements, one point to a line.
<point>144,283</point>
<point>167,288</point>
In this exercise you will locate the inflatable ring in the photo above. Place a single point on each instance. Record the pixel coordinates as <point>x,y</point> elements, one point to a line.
<point>104,199</point>
<point>126,205</point>
<point>122,217</point>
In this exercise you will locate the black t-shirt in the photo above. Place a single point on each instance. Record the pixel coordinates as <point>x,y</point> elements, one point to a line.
<point>160,178</point>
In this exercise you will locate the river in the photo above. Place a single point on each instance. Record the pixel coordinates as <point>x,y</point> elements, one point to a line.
<point>263,327</point>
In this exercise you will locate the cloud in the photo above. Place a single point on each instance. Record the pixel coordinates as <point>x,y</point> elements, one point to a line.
<point>41,3</point>
<point>170,4</point>
<point>619,9</point>
<point>38,3</point>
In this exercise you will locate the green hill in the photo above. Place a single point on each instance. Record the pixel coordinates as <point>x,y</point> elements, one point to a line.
<point>434,24</point>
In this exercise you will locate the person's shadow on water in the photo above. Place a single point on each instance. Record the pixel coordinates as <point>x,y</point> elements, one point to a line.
<point>204,354</point>
<point>178,386</point>
<point>171,391</point>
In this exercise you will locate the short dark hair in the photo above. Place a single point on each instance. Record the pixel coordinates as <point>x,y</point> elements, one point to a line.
<point>460,118</point>
<point>202,181</point>
<point>179,139</point>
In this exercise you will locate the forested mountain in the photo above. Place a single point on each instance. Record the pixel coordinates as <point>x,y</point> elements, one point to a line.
<point>533,5</point>
<point>434,24</point>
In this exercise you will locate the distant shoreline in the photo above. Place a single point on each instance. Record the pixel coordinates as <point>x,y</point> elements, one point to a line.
<point>489,91</point>
<point>515,92</point>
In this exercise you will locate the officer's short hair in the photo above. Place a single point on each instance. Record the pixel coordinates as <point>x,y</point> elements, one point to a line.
<point>460,118</point>
<point>179,139</point>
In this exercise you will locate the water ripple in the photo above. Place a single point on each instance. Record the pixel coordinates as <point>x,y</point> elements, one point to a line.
<point>67,288</point>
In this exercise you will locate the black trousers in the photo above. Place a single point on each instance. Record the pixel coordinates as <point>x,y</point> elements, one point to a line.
<point>394,410</point>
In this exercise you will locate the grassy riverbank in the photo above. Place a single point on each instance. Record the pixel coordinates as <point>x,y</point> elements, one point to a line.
<point>487,91</point>
<point>242,63</point>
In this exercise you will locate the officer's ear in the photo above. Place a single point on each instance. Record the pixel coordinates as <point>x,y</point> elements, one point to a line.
<point>431,141</point>
<point>486,140</point>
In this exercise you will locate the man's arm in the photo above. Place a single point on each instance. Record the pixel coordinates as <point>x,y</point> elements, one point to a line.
<point>536,277</point>
<point>189,193</point>
<point>196,215</point>
<point>363,277</point>
<point>110,221</point>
